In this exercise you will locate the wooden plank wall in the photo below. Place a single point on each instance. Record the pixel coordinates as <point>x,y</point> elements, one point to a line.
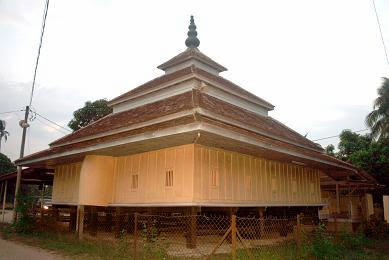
<point>96,180</point>
<point>151,169</point>
<point>66,182</point>
<point>348,204</point>
<point>247,179</point>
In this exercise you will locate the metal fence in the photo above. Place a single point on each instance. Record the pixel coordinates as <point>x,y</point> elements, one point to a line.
<point>148,236</point>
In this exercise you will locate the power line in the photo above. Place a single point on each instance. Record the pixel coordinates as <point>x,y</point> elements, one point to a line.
<point>379,27</point>
<point>45,118</point>
<point>39,49</point>
<point>24,123</point>
<point>324,138</point>
<point>9,112</point>
<point>51,126</point>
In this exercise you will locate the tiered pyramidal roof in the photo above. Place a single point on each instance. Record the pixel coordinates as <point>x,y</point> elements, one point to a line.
<point>190,103</point>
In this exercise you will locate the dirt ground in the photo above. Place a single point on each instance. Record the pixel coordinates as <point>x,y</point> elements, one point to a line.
<point>11,250</point>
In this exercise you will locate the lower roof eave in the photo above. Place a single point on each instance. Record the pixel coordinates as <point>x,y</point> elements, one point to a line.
<point>211,135</point>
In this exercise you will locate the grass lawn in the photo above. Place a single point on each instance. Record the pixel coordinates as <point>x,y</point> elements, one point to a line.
<point>68,245</point>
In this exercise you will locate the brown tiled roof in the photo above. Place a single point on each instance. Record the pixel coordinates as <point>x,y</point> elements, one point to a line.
<point>149,86</point>
<point>230,85</point>
<point>191,53</point>
<point>183,102</point>
<point>59,149</point>
<point>155,83</point>
<point>126,118</point>
<point>263,123</point>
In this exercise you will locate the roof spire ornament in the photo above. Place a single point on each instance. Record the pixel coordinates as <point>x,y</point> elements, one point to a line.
<point>192,41</point>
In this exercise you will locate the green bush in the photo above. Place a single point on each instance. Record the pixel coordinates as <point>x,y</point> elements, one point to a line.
<point>375,228</point>
<point>321,245</point>
<point>153,247</point>
<point>24,210</point>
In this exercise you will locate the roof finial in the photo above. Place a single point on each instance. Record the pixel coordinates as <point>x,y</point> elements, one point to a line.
<point>192,41</point>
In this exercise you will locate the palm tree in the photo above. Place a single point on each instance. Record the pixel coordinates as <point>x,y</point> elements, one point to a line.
<point>378,119</point>
<point>3,132</point>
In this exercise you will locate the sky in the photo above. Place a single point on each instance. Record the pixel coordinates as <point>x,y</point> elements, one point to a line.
<point>319,62</point>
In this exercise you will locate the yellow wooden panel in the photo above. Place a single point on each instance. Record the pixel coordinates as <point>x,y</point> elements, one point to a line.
<point>96,180</point>
<point>254,180</point>
<point>151,168</point>
<point>229,179</point>
<point>221,174</point>
<point>179,169</point>
<point>65,183</point>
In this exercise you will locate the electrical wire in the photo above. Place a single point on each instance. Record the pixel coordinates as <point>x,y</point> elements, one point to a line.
<point>8,112</point>
<point>379,27</point>
<point>51,126</point>
<point>324,138</point>
<point>45,118</point>
<point>39,49</point>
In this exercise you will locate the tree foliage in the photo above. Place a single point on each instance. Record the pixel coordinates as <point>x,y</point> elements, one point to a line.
<point>91,112</point>
<point>351,142</point>
<point>367,153</point>
<point>6,165</point>
<point>374,159</point>
<point>3,133</point>
<point>378,119</point>
<point>330,150</point>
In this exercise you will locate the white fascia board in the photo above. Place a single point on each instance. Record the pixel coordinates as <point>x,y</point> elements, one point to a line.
<point>151,90</point>
<point>229,121</point>
<point>190,62</point>
<point>234,100</point>
<point>183,129</point>
<point>220,86</point>
<point>64,203</point>
<point>168,91</point>
<point>198,110</point>
<point>232,94</point>
<point>131,139</point>
<point>131,127</point>
<point>215,204</point>
<point>249,140</point>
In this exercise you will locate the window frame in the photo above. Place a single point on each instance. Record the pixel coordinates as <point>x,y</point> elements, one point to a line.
<point>169,178</point>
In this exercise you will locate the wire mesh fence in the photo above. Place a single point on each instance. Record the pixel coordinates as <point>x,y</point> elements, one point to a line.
<point>164,236</point>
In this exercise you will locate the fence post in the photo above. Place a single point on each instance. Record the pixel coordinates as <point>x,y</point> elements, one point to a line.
<point>298,231</point>
<point>108,220</point>
<point>93,221</point>
<point>261,224</point>
<point>118,221</point>
<point>72,219</point>
<point>80,221</point>
<point>233,237</point>
<point>42,220</point>
<point>135,235</point>
<point>4,199</point>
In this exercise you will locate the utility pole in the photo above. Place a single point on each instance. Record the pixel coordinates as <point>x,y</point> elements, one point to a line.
<point>24,124</point>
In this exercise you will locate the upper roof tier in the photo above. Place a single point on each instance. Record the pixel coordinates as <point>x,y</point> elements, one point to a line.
<point>189,57</point>
<point>191,63</point>
<point>192,56</point>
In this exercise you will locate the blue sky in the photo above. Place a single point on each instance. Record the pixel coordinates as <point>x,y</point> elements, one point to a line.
<point>318,62</point>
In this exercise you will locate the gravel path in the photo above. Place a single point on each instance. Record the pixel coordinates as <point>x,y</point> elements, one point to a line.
<point>11,250</point>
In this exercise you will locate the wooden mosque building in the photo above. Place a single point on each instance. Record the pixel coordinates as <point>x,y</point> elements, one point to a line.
<point>189,141</point>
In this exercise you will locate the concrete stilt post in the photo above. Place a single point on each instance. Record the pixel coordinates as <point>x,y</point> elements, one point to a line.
<point>4,199</point>
<point>80,221</point>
